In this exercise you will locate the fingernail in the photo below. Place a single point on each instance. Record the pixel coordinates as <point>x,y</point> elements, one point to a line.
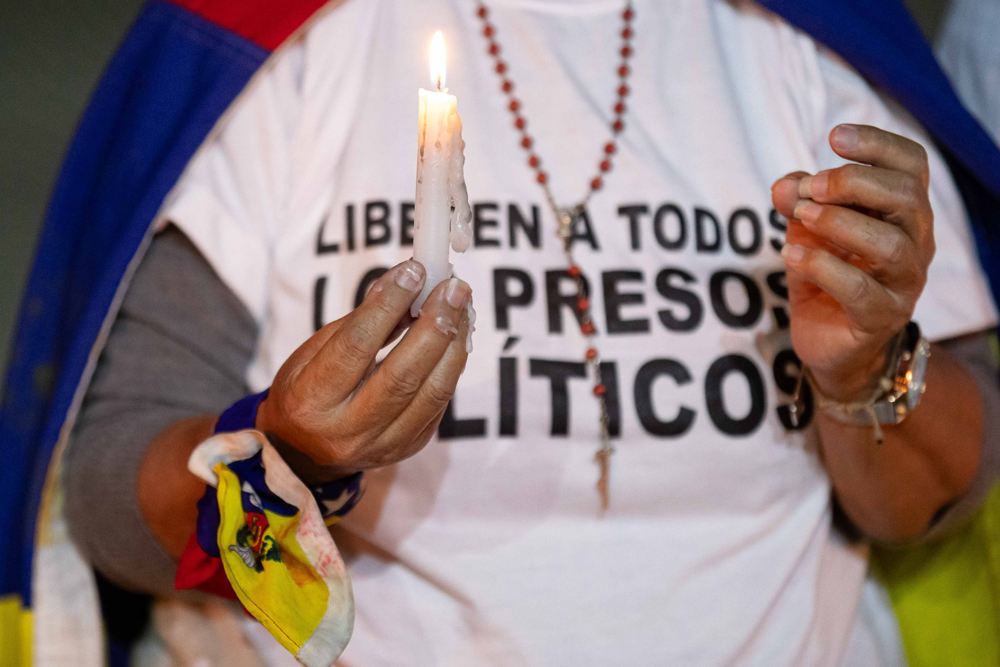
<point>457,293</point>
<point>807,210</point>
<point>814,186</point>
<point>793,253</point>
<point>804,187</point>
<point>846,137</point>
<point>409,275</point>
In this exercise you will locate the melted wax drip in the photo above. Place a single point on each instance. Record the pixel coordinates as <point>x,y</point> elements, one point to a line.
<point>461,212</point>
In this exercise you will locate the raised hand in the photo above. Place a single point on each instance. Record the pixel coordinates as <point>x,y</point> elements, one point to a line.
<point>860,239</point>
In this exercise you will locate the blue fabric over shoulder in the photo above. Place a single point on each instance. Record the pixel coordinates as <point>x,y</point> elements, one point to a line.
<point>881,40</point>
<point>167,85</point>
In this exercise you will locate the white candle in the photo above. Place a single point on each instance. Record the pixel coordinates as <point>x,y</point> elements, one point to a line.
<point>442,217</point>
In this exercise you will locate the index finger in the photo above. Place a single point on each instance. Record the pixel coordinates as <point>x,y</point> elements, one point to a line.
<point>870,145</point>
<point>347,356</point>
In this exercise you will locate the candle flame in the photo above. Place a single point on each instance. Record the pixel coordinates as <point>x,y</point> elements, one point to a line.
<point>438,68</point>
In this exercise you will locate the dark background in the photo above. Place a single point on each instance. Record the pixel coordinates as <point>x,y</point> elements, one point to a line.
<point>51,54</point>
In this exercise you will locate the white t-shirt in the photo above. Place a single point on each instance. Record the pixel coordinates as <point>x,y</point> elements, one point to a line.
<point>489,547</point>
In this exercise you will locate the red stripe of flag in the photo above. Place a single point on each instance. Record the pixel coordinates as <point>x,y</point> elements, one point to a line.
<point>202,572</point>
<point>267,23</point>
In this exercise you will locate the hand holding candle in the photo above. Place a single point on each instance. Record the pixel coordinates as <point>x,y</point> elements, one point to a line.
<point>442,215</point>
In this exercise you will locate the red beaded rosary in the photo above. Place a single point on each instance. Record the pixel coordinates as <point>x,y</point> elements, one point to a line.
<point>569,216</point>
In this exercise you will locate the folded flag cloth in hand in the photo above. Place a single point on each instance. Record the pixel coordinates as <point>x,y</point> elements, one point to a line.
<point>261,538</point>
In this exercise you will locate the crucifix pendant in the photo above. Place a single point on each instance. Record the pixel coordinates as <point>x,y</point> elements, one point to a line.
<point>603,459</point>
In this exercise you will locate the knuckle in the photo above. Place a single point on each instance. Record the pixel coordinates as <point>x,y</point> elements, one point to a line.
<point>918,280</point>
<point>868,235</point>
<point>843,178</point>
<point>913,189</point>
<point>300,414</point>
<point>880,143</point>
<point>439,394</point>
<point>827,225</point>
<point>924,169</point>
<point>894,249</point>
<point>832,218</point>
<point>924,234</point>
<point>381,303</point>
<point>859,290</point>
<point>352,448</point>
<point>917,157</point>
<point>900,307</point>
<point>352,343</point>
<point>385,448</point>
<point>402,383</point>
<point>807,264</point>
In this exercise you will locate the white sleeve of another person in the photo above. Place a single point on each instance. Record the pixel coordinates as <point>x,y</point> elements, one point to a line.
<point>969,51</point>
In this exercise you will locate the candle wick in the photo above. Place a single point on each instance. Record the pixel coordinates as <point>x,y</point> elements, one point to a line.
<point>439,83</point>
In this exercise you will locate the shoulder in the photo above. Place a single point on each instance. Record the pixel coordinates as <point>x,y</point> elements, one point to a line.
<point>759,42</point>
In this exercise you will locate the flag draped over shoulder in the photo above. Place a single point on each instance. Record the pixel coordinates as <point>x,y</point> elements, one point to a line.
<point>179,68</point>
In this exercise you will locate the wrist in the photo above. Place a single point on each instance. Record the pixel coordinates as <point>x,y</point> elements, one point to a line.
<point>856,381</point>
<point>896,393</point>
<point>305,466</point>
<point>337,488</point>
<point>263,421</point>
<point>242,414</point>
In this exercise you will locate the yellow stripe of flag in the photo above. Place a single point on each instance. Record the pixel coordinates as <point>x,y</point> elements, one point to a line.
<point>15,632</point>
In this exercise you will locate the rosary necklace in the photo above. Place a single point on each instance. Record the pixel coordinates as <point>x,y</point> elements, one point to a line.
<point>569,216</point>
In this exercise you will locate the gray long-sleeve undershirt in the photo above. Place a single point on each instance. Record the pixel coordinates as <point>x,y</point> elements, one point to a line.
<point>179,348</point>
